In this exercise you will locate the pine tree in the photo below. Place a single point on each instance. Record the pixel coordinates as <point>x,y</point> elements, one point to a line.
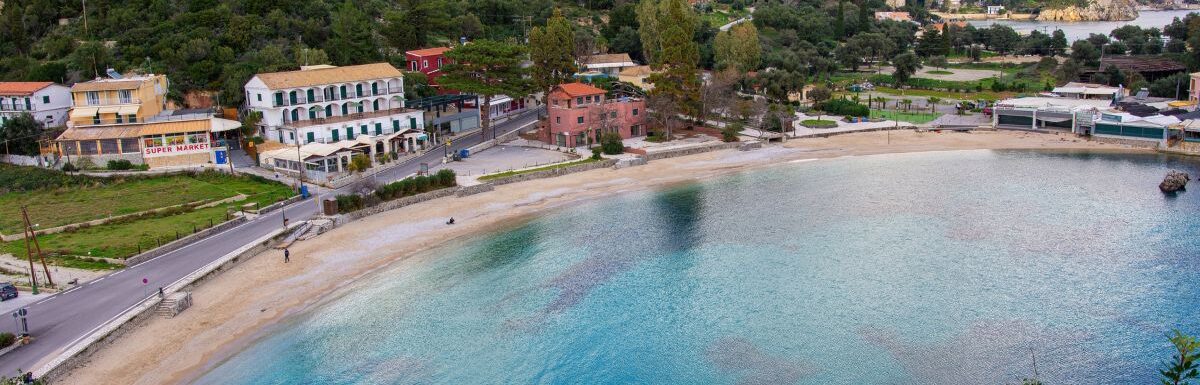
<point>677,85</point>
<point>486,68</point>
<point>352,41</point>
<point>551,49</point>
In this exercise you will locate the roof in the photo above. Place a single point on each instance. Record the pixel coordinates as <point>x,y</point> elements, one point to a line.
<point>138,129</point>
<point>636,71</point>
<point>1085,88</point>
<point>22,88</point>
<point>579,89</point>
<point>322,76</point>
<point>428,51</point>
<point>108,84</point>
<point>1044,102</point>
<point>611,58</point>
<point>1139,63</point>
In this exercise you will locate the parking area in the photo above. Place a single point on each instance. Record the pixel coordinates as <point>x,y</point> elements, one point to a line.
<point>504,158</point>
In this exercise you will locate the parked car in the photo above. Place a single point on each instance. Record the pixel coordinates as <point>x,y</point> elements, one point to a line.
<point>7,291</point>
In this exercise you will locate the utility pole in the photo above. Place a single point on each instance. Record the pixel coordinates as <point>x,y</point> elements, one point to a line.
<point>31,235</point>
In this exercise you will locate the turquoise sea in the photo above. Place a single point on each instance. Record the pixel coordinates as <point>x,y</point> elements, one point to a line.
<point>974,267</point>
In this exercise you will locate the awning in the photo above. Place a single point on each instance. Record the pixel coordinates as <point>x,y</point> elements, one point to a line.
<point>94,133</point>
<point>175,127</point>
<point>83,112</point>
<point>1054,119</point>
<point>109,109</point>
<point>127,110</point>
<point>220,125</point>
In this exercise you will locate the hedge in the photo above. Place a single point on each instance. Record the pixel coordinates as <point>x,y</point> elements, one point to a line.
<point>405,187</point>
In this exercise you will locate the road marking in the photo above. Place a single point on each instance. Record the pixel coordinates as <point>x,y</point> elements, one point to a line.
<point>99,279</point>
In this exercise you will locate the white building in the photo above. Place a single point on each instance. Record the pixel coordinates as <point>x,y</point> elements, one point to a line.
<point>607,64</point>
<point>994,9</point>
<point>326,104</point>
<point>46,101</point>
<point>1075,90</point>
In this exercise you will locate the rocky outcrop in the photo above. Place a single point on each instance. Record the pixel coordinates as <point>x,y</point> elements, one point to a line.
<point>1097,10</point>
<point>1175,181</point>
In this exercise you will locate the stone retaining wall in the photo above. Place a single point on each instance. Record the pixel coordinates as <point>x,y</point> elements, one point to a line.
<point>184,241</point>
<point>280,204</point>
<point>690,150</point>
<point>472,190</point>
<point>395,204</point>
<point>1126,142</point>
<point>552,173</point>
<point>829,134</point>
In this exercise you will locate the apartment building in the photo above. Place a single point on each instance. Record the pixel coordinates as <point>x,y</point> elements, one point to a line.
<point>327,104</point>
<point>580,113</point>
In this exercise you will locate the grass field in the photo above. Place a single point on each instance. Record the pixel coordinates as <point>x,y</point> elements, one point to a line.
<point>940,72</point>
<point>818,123</point>
<point>526,171</point>
<point>76,202</point>
<point>62,206</point>
<point>911,117</point>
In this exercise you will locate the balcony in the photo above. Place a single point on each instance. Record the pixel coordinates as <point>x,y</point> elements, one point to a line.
<point>14,107</point>
<point>337,95</point>
<point>110,101</point>
<point>345,118</point>
<point>85,122</point>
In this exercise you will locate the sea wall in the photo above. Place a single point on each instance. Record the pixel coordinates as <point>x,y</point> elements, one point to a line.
<point>552,173</point>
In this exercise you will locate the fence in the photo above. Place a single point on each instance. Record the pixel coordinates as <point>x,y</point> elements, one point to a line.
<point>184,241</point>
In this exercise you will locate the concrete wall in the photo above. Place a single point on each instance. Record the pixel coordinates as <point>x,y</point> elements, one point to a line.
<point>690,150</point>
<point>553,173</point>
<point>184,241</point>
<point>397,203</point>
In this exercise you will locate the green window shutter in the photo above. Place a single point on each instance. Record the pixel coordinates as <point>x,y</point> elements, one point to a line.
<point>362,129</point>
<point>375,88</point>
<point>395,126</point>
<point>378,128</point>
<point>311,137</point>
<point>312,114</point>
<point>312,96</point>
<point>278,98</point>
<point>412,123</point>
<point>358,90</point>
<point>292,97</point>
<point>349,132</point>
<point>335,135</point>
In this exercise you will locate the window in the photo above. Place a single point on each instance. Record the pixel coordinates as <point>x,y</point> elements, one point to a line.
<point>93,98</point>
<point>579,120</point>
<point>378,128</point>
<point>118,118</point>
<point>395,126</point>
<point>153,141</point>
<point>414,65</point>
<point>612,115</point>
<point>345,109</point>
<point>96,118</point>
<point>130,145</point>
<point>45,99</point>
<point>424,63</point>
<point>635,130</point>
<point>125,96</point>
<point>197,137</point>
<point>311,137</point>
<point>292,136</point>
<point>635,112</point>
<point>375,91</point>
<point>259,97</point>
<point>108,146</point>
<point>329,110</point>
<point>278,99</point>
<point>362,129</point>
<point>174,139</point>
<point>132,118</point>
<point>557,120</point>
<point>335,135</point>
<point>358,89</point>
<point>579,100</point>
<point>69,147</point>
<point>349,133</point>
<point>87,147</point>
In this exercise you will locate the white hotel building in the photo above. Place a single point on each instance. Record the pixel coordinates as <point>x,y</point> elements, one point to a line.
<point>327,104</point>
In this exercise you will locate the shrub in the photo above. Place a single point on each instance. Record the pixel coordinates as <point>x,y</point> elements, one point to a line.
<point>69,167</point>
<point>86,164</point>
<point>730,132</point>
<point>595,153</point>
<point>446,178</point>
<point>845,108</point>
<point>7,339</point>
<point>348,203</point>
<point>611,143</point>
<point>119,164</point>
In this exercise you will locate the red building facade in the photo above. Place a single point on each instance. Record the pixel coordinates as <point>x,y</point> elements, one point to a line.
<point>428,61</point>
<point>580,113</point>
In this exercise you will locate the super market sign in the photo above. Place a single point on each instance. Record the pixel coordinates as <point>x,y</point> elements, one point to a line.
<point>177,149</point>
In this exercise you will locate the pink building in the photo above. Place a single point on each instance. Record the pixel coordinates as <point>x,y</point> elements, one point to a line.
<point>579,112</point>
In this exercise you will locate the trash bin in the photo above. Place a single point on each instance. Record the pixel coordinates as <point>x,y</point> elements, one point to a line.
<point>464,153</point>
<point>303,192</point>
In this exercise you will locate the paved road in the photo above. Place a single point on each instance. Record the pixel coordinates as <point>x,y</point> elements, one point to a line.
<point>57,322</point>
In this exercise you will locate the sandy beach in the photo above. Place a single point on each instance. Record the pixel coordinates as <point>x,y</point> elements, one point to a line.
<point>231,309</point>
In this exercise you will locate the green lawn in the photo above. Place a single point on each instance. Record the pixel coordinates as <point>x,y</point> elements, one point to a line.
<point>818,123</point>
<point>940,72</point>
<point>526,171</point>
<point>66,205</point>
<point>911,117</point>
<point>72,203</point>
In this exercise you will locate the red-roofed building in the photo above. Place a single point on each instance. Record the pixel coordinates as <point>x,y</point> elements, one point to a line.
<point>428,61</point>
<point>46,101</point>
<point>580,113</point>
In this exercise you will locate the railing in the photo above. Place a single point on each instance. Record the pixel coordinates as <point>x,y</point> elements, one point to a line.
<point>14,107</point>
<point>344,118</point>
<point>110,102</point>
<point>337,95</point>
<point>83,122</point>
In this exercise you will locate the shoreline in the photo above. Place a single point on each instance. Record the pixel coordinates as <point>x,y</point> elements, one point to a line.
<point>246,303</point>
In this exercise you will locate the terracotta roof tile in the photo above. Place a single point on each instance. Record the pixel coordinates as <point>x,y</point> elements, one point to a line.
<point>428,51</point>
<point>329,75</point>
<point>22,88</point>
<point>579,89</point>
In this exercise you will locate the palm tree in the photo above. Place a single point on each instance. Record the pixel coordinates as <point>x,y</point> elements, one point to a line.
<point>933,102</point>
<point>907,104</point>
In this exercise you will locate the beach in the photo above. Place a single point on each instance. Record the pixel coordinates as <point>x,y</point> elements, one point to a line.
<point>232,309</point>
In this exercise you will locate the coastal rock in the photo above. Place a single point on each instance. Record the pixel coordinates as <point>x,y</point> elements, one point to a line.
<point>1175,181</point>
<point>1097,10</point>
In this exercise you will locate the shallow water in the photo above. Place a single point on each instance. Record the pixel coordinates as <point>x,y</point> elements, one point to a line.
<point>933,268</point>
<point>1081,29</point>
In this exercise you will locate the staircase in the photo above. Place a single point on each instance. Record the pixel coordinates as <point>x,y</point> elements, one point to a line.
<point>174,304</point>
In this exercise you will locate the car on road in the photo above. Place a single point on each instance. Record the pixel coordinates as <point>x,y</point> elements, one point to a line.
<point>7,291</point>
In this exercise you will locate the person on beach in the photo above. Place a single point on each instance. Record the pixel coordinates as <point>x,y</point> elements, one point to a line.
<point>451,221</point>
<point>286,255</point>
<point>160,293</point>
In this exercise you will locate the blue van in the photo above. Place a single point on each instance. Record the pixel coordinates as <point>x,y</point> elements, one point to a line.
<point>7,291</point>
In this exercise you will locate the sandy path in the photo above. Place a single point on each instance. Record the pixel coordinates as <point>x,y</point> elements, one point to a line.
<point>232,307</point>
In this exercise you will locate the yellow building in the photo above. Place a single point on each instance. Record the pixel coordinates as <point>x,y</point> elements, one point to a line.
<point>126,119</point>
<point>130,99</point>
<point>637,76</point>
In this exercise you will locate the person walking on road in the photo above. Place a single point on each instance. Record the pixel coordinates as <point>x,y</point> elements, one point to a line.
<point>286,255</point>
